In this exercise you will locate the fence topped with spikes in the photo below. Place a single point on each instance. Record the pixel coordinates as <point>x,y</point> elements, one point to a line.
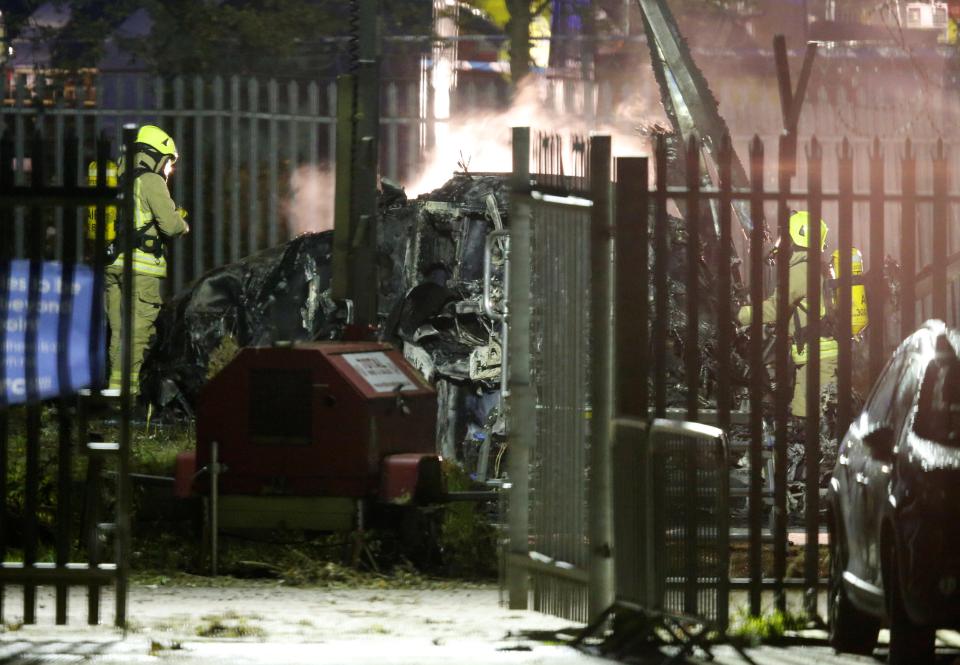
<point>47,357</point>
<point>682,268</point>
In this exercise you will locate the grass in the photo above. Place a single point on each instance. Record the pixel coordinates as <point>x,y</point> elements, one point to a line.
<point>467,539</point>
<point>770,627</point>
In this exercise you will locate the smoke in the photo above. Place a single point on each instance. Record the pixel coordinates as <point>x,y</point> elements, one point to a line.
<point>481,142</point>
<point>309,207</point>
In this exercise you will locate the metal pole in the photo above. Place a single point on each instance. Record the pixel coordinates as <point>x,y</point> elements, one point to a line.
<point>725,314</point>
<point>214,505</point>
<point>364,282</point>
<point>343,187</point>
<point>845,282</point>
<point>877,330</point>
<point>756,373</point>
<point>941,221</point>
<point>521,408</point>
<point>126,389</point>
<point>908,243</point>
<point>68,156</point>
<point>632,282</point>
<point>602,399</point>
<point>787,163</point>
<point>35,251</point>
<point>6,256</point>
<point>692,342</point>
<point>661,257</point>
<point>814,294</point>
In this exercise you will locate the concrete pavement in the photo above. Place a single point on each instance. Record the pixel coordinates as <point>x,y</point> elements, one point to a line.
<point>267,623</point>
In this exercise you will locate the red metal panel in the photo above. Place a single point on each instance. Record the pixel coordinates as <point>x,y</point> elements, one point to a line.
<point>185,469</point>
<point>410,477</point>
<point>350,426</point>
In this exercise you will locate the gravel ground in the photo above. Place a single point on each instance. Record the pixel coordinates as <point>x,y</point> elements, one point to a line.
<point>270,623</point>
<point>267,623</point>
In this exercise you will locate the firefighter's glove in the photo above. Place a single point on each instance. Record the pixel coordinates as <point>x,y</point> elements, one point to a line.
<point>745,316</point>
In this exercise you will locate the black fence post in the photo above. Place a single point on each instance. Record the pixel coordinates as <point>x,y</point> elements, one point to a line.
<point>844,295</point>
<point>725,312</point>
<point>661,254</point>
<point>812,338</point>
<point>99,249</point>
<point>122,545</point>
<point>68,245</point>
<point>908,243</point>
<point>941,221</point>
<point>757,375</point>
<point>878,290</point>
<point>97,344</point>
<point>784,256</point>
<point>6,257</point>
<point>35,237</point>
<point>692,342</point>
<point>632,287</point>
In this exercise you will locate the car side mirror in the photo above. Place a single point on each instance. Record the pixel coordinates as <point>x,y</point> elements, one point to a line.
<point>880,442</point>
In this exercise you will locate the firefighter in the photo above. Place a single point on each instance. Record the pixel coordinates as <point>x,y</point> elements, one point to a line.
<point>156,218</point>
<point>799,344</point>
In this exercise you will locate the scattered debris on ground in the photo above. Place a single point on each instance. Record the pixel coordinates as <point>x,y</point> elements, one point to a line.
<point>230,625</point>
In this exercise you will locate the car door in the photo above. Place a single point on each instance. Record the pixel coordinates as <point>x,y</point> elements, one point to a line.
<point>878,465</point>
<point>853,461</point>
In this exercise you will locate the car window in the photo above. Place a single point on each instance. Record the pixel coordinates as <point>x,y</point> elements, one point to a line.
<point>905,394</point>
<point>879,403</point>
<point>938,409</point>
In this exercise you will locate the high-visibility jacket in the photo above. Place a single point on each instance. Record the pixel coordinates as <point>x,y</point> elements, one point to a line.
<point>154,210</point>
<point>798,310</point>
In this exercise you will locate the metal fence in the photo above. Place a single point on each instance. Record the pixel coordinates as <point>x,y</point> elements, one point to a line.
<point>690,534</point>
<point>671,516</point>
<point>918,283</point>
<point>561,310</point>
<point>554,403</point>
<point>673,288</point>
<point>256,156</point>
<point>45,361</point>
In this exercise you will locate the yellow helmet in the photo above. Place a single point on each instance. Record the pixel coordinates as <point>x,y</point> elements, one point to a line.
<point>153,139</point>
<point>800,229</point>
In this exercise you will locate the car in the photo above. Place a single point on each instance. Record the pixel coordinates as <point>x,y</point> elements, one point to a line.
<point>893,505</point>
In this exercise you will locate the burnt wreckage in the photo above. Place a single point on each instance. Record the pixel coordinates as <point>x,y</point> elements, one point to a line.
<point>430,254</point>
<point>430,260</point>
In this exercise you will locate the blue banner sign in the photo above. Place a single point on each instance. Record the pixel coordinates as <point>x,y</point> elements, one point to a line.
<point>79,368</point>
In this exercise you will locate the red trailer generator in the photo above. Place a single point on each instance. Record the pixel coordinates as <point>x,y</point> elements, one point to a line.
<point>304,436</point>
